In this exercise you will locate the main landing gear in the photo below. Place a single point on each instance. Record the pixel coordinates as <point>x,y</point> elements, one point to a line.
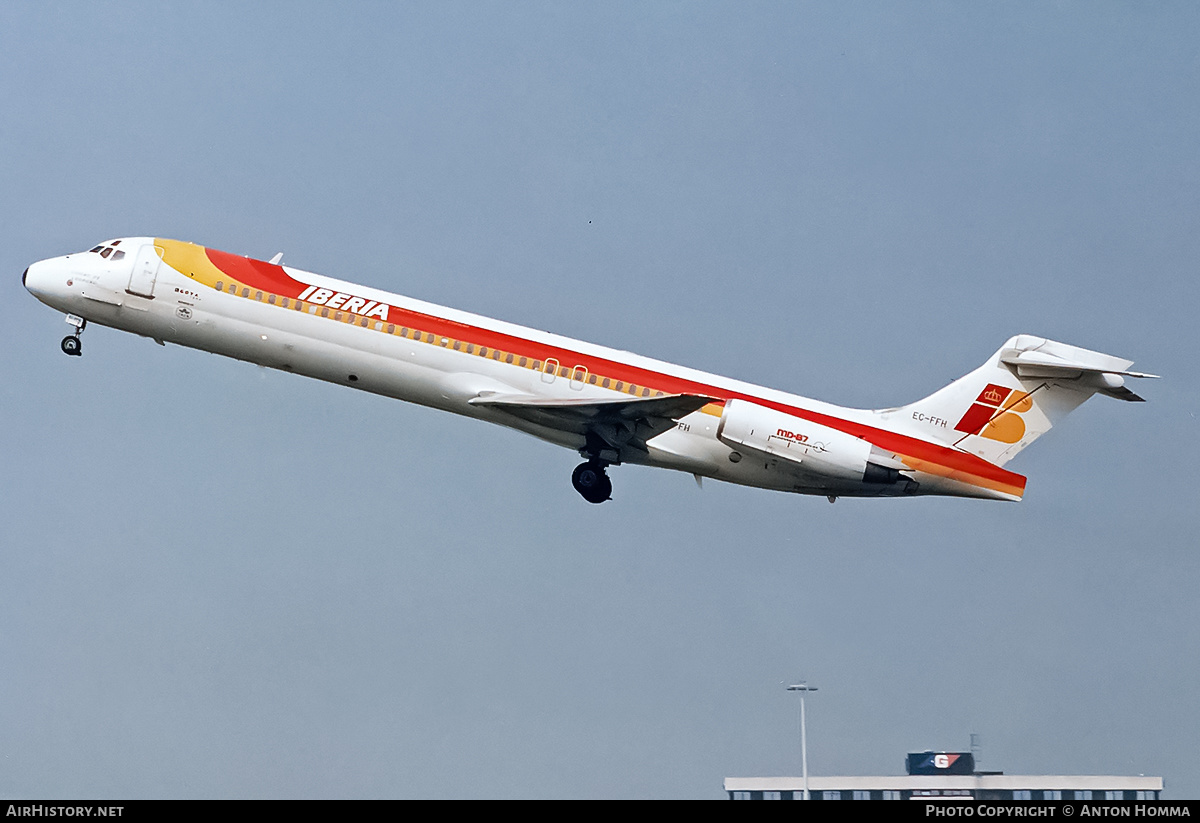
<point>71,344</point>
<point>591,482</point>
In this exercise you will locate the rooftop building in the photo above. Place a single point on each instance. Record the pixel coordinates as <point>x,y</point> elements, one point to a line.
<point>947,776</point>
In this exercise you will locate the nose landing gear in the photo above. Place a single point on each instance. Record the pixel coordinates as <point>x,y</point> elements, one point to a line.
<point>591,482</point>
<point>71,344</point>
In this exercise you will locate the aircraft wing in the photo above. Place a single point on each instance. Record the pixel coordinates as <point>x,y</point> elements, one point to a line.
<point>618,422</point>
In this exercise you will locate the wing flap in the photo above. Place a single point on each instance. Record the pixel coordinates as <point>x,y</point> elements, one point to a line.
<point>671,405</point>
<point>640,418</point>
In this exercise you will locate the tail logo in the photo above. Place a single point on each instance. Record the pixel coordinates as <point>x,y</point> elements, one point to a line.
<point>996,414</point>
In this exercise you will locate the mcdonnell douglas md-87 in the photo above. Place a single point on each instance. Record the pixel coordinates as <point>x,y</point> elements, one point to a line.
<point>610,406</point>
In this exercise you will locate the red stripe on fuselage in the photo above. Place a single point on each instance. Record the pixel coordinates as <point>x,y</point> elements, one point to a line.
<point>272,278</point>
<point>267,277</point>
<point>658,381</point>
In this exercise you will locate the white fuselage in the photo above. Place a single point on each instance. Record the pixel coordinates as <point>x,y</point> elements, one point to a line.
<point>458,358</point>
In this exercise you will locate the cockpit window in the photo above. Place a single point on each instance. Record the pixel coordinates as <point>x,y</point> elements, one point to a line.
<point>105,249</point>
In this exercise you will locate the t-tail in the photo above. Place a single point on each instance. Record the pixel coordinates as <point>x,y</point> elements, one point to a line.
<point>1024,389</point>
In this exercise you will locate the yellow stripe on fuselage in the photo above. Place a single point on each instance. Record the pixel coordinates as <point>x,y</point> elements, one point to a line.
<point>191,261</point>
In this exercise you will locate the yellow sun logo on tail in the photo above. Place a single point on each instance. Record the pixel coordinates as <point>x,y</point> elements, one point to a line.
<point>996,414</point>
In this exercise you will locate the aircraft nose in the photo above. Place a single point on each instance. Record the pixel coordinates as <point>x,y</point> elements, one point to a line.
<point>30,283</point>
<point>37,280</point>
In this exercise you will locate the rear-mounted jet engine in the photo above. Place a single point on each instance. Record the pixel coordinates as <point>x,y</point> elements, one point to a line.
<point>814,448</point>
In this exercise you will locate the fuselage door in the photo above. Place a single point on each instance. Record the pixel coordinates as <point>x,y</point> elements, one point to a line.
<point>145,271</point>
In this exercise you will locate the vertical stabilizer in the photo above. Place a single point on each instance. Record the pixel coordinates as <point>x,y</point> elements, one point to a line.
<point>1023,390</point>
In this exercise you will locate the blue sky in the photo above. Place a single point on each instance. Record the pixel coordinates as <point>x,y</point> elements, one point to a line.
<point>220,581</point>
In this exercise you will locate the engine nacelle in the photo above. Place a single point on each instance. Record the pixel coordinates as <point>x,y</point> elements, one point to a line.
<point>818,449</point>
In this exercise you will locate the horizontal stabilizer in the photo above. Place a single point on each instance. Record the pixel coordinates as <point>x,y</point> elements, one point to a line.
<point>1037,363</point>
<point>1033,358</point>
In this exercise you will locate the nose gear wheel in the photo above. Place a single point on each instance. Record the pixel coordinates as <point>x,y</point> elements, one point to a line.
<point>71,344</point>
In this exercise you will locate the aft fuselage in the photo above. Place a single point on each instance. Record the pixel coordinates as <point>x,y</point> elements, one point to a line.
<point>353,335</point>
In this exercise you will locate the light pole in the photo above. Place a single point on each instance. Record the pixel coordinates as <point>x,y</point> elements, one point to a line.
<point>803,688</point>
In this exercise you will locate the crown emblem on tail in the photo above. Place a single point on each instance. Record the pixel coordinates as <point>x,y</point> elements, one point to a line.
<point>991,417</point>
